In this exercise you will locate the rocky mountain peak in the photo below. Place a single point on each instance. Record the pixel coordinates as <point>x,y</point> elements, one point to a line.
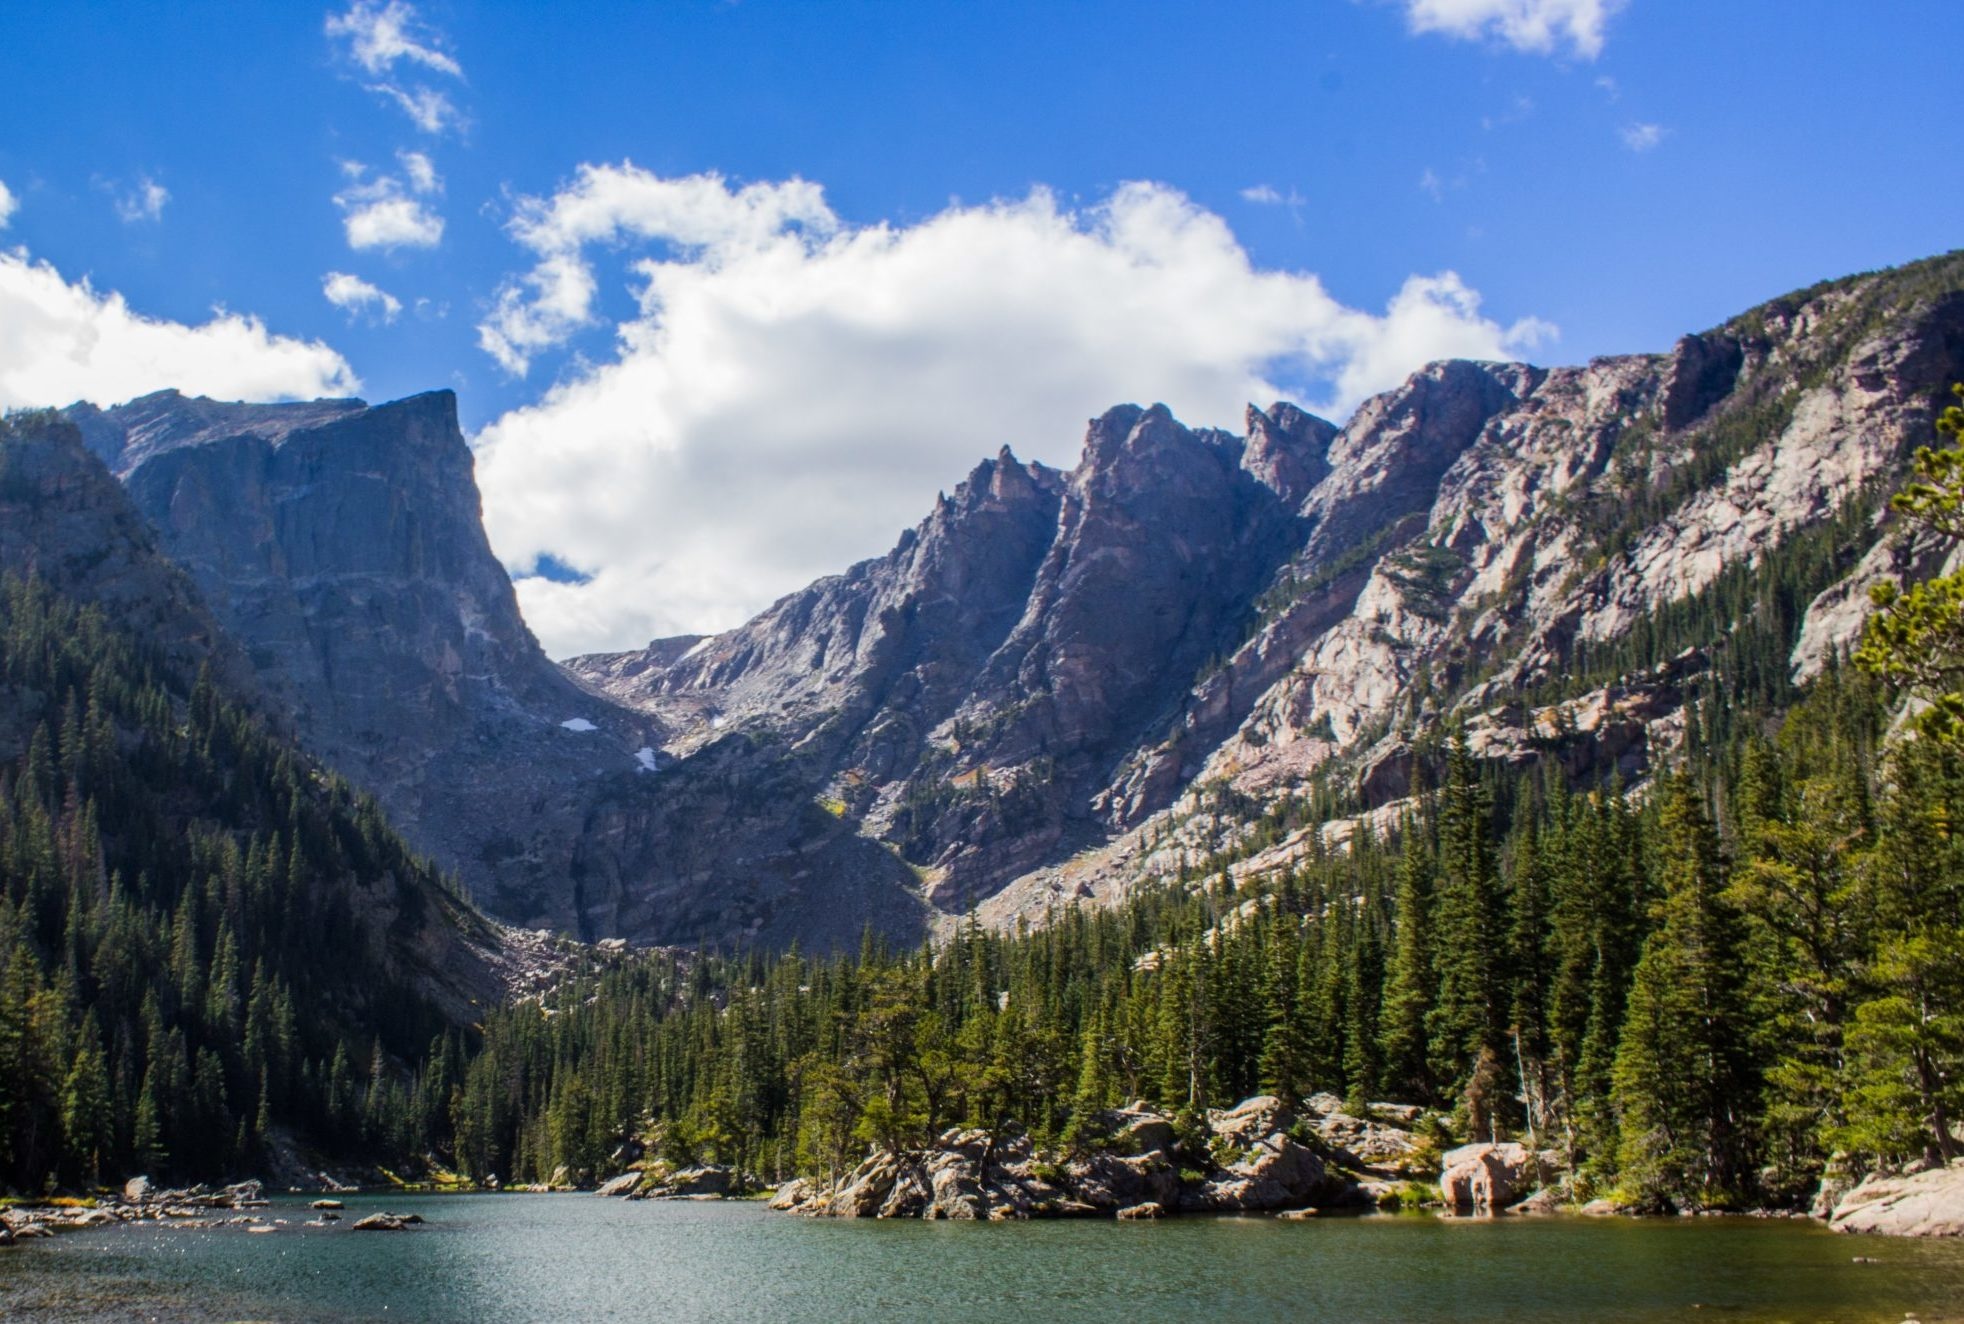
<point>1287,449</point>
<point>344,545</point>
<point>128,434</point>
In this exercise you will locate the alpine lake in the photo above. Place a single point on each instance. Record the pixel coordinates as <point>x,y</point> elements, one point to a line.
<point>493,1259</point>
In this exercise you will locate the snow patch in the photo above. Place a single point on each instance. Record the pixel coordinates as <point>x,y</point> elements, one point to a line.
<point>578,724</point>
<point>645,756</point>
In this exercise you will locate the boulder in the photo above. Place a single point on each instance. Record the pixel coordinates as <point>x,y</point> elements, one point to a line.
<point>793,1194</point>
<point>1921,1204</point>
<point>620,1185</point>
<point>136,1190</point>
<point>382,1223</point>
<point>1485,1178</point>
<point>703,1181</point>
<point>1148,1210</point>
<point>327,1204</point>
<point>1547,1200</point>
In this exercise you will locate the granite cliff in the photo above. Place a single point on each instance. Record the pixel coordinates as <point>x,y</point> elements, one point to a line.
<point>1060,682</point>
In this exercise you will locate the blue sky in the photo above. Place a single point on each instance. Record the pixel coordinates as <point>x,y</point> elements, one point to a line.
<point>964,224</point>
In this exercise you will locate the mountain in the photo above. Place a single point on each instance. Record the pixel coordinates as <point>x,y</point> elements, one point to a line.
<point>1052,685</point>
<point>344,546</point>
<point>1059,682</point>
<point>209,945</point>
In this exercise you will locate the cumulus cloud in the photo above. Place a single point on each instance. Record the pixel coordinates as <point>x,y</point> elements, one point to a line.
<point>141,201</point>
<point>793,389</point>
<point>62,342</point>
<point>358,297</point>
<point>1542,27</point>
<point>383,40</point>
<point>381,213</point>
<point>9,204</point>
<point>1641,137</point>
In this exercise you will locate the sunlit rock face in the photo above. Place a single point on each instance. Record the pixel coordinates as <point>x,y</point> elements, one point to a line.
<point>1050,687</point>
<point>1043,690</point>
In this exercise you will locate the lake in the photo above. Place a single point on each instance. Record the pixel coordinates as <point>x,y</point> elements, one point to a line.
<point>490,1259</point>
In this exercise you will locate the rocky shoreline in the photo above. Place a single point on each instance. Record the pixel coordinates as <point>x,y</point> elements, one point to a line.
<point>1262,1157</point>
<point>183,1208</point>
<point>1258,1156</point>
<point>1137,1164</point>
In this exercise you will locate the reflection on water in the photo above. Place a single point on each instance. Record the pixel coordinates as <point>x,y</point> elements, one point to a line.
<point>508,1258</point>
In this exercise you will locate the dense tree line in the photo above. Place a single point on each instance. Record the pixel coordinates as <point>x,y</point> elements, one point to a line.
<point>183,971</point>
<point>1705,992</point>
<point>1698,995</point>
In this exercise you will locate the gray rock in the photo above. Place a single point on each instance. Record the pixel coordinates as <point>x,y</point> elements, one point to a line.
<point>620,1185</point>
<point>1922,1204</point>
<point>380,1223</point>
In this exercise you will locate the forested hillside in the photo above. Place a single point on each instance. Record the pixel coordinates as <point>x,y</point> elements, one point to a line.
<point>1728,987</point>
<point>210,949</point>
<point>1698,994</point>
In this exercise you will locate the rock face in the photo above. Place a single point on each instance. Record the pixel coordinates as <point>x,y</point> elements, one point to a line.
<point>1923,1204</point>
<point>1254,1160</point>
<point>965,699</point>
<point>1487,1179</point>
<point>1048,687</point>
<point>65,521</point>
<point>1040,692</point>
<point>344,546</point>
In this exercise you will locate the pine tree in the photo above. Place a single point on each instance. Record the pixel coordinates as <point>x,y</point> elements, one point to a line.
<point>1682,1081</point>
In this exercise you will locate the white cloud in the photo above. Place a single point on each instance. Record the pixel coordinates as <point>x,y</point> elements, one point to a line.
<point>142,201</point>
<point>380,213</point>
<point>1267,195</point>
<point>794,390</point>
<point>62,342</point>
<point>1641,137</point>
<point>378,38</point>
<point>355,296</point>
<point>1431,185</point>
<point>422,174</point>
<point>699,216</point>
<point>428,109</point>
<point>381,35</point>
<point>1542,27</point>
<point>9,204</point>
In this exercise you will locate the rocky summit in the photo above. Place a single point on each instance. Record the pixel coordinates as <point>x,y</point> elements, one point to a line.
<point>1061,682</point>
<point>342,547</point>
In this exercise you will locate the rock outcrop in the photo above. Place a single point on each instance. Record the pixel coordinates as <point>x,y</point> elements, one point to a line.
<point>1922,1204</point>
<point>1256,1157</point>
<point>1491,1178</point>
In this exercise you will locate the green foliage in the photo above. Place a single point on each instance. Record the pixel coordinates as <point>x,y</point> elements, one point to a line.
<point>1916,639</point>
<point>180,957</point>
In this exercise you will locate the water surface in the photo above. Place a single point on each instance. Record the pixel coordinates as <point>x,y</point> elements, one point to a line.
<point>501,1259</point>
